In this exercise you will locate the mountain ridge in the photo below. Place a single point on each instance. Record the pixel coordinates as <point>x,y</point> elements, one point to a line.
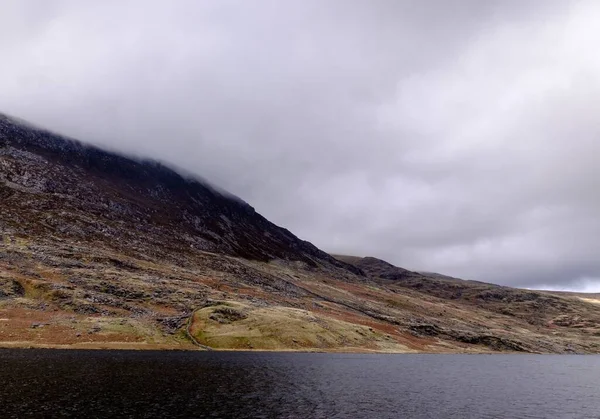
<point>148,177</point>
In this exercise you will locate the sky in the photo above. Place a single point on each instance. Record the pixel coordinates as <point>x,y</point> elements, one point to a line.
<point>459,137</point>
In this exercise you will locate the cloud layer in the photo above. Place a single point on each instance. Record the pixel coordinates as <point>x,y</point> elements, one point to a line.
<point>452,136</point>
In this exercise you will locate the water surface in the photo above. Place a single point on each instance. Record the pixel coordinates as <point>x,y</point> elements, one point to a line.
<point>51,383</point>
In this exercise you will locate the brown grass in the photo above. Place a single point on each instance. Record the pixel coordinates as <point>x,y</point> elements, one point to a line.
<point>280,328</point>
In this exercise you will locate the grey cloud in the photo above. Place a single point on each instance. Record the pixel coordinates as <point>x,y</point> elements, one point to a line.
<point>451,136</point>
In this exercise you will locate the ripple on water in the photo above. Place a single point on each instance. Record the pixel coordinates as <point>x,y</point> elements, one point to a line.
<point>49,383</point>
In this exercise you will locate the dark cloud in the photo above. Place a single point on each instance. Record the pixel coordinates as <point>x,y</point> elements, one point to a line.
<point>451,136</point>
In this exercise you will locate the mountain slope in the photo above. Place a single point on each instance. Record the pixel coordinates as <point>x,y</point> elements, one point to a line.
<point>53,185</point>
<point>100,250</point>
<point>501,316</point>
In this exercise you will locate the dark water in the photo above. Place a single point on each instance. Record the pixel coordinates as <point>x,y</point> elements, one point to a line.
<point>89,384</point>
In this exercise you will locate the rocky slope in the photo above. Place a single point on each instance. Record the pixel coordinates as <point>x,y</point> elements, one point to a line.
<point>100,250</point>
<point>56,186</point>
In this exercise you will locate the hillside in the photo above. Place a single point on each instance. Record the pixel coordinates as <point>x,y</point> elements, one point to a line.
<point>101,250</point>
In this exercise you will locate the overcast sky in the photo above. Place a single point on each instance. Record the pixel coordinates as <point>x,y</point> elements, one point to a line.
<point>461,137</point>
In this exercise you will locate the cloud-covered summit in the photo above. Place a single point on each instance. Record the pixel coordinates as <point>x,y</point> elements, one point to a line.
<point>450,136</point>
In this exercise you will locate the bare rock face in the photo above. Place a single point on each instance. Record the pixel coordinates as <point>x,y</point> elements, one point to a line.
<point>50,185</point>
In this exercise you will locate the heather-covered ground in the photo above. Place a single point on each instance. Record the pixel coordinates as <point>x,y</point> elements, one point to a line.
<point>66,295</point>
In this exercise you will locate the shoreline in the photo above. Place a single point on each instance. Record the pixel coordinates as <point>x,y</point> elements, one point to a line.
<point>142,347</point>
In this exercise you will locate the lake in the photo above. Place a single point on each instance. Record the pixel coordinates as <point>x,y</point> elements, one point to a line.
<point>56,383</point>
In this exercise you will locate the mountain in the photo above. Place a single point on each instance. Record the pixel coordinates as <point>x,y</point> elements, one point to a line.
<point>84,193</point>
<point>103,250</point>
